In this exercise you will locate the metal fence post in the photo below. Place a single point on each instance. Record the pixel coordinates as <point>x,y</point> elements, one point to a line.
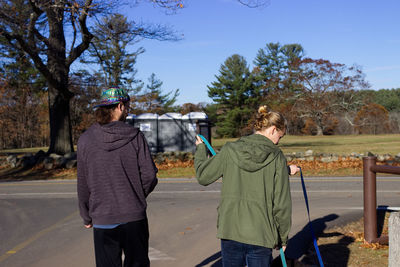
<point>370,217</point>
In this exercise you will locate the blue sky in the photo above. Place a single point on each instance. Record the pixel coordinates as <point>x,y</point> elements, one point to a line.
<point>362,32</point>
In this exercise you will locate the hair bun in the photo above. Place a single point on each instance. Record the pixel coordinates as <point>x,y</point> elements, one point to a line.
<point>263,110</point>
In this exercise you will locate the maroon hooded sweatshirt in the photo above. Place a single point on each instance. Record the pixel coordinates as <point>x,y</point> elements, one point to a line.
<point>115,174</point>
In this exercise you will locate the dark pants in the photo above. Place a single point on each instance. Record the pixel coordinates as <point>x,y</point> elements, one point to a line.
<point>236,254</point>
<point>132,238</point>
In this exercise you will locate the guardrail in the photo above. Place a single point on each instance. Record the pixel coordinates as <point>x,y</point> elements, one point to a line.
<point>370,214</point>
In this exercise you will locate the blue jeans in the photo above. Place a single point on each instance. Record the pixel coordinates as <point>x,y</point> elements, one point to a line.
<point>237,254</point>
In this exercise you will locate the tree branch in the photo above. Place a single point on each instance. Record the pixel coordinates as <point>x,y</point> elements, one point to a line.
<point>86,35</point>
<point>3,16</point>
<point>31,27</point>
<point>74,31</point>
<point>102,62</point>
<point>32,53</point>
<point>32,31</point>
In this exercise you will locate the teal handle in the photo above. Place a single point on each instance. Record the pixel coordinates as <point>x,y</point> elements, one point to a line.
<point>207,144</point>
<point>283,257</point>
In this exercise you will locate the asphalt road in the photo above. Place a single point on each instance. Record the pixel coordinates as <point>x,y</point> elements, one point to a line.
<point>40,225</point>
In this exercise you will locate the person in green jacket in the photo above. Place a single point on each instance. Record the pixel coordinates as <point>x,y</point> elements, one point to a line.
<point>254,214</point>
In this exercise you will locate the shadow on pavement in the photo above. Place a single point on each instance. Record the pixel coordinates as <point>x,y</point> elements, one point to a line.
<point>216,258</point>
<point>301,242</point>
<point>335,254</point>
<point>300,245</point>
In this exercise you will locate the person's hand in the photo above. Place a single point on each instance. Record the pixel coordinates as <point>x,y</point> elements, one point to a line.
<point>294,169</point>
<point>88,226</point>
<point>198,140</point>
<point>283,248</point>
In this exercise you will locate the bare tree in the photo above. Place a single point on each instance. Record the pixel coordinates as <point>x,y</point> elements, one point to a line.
<point>39,28</point>
<point>372,119</point>
<point>324,85</point>
<point>113,35</point>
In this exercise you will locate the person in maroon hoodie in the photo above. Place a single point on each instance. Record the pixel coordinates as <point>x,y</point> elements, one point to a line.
<point>115,175</point>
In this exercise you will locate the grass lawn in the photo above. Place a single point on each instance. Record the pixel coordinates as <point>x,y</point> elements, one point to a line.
<point>335,144</point>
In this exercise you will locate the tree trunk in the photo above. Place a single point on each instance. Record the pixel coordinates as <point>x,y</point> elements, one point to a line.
<point>60,121</point>
<point>319,130</point>
<point>319,124</point>
<point>59,95</point>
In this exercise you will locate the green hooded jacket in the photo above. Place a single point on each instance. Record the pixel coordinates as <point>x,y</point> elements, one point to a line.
<point>255,206</point>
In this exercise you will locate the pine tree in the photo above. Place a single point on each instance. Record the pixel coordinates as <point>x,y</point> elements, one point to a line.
<point>153,100</point>
<point>235,94</point>
<point>276,72</point>
<point>275,68</point>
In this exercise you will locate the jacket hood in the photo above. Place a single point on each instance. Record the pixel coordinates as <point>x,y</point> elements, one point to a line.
<point>113,135</point>
<point>253,152</point>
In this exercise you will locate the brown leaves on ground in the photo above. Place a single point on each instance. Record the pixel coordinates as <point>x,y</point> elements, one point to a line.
<point>374,246</point>
<point>343,166</point>
<point>340,164</point>
<point>169,164</point>
<point>185,168</point>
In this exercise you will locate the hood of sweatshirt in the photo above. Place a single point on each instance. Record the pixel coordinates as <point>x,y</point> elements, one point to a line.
<point>113,135</point>
<point>253,152</point>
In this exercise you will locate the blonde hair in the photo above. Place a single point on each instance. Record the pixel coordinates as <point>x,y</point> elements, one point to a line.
<point>265,119</point>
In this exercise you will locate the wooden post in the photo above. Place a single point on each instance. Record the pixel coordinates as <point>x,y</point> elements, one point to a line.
<point>394,239</point>
<point>370,217</point>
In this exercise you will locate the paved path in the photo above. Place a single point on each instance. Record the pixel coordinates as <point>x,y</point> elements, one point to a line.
<point>40,225</point>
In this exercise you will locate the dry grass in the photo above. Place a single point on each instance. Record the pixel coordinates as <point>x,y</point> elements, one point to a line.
<point>343,144</point>
<point>335,144</point>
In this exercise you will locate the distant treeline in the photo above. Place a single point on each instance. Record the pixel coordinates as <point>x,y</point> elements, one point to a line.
<point>315,96</point>
<point>377,112</point>
<point>24,120</point>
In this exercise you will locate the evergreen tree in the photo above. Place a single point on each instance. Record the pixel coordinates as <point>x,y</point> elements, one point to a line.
<point>235,94</point>
<point>389,98</point>
<point>109,49</point>
<point>276,72</point>
<point>153,100</point>
<point>276,66</point>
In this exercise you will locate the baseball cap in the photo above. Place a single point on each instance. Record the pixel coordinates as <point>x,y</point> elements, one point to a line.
<point>112,95</point>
